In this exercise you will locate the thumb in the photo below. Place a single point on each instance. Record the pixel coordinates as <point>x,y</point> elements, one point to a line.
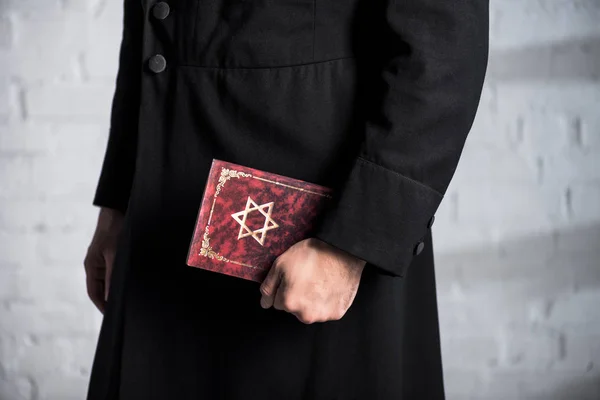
<point>268,287</point>
<point>109,259</point>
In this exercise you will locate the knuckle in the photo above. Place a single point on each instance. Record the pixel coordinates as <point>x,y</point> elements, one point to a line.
<point>87,260</point>
<point>109,252</point>
<point>91,258</point>
<point>277,267</point>
<point>91,293</point>
<point>339,314</point>
<point>289,303</point>
<point>275,263</point>
<point>307,318</point>
<point>265,290</point>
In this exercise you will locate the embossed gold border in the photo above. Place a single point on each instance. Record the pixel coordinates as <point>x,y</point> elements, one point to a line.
<point>206,250</point>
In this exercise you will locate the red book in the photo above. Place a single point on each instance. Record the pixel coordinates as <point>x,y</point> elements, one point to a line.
<point>248,217</point>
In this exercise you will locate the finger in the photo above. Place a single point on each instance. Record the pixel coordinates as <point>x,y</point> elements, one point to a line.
<point>280,302</point>
<point>287,299</point>
<point>109,260</point>
<point>94,265</point>
<point>94,272</point>
<point>268,287</point>
<point>306,318</point>
<point>94,289</point>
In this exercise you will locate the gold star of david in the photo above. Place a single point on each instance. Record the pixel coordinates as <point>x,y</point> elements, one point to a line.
<point>240,217</point>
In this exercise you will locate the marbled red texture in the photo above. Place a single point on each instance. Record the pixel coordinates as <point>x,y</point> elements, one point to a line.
<point>294,211</point>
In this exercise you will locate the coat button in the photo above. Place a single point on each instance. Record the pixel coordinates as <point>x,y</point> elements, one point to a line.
<point>157,63</point>
<point>161,10</point>
<point>430,223</point>
<point>419,248</point>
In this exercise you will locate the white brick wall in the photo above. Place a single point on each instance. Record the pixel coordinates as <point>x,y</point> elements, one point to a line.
<point>518,255</point>
<point>517,236</point>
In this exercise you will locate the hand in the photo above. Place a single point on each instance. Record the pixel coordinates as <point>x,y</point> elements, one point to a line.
<point>101,255</point>
<point>313,280</point>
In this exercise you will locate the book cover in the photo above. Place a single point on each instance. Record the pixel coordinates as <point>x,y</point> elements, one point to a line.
<point>248,217</point>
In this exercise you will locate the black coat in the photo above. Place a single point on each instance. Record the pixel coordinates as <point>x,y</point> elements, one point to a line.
<point>371,97</point>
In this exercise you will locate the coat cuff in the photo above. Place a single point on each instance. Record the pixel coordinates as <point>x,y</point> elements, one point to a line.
<point>108,197</point>
<point>380,216</point>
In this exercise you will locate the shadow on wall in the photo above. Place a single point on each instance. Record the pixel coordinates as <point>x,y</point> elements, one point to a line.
<point>574,59</point>
<point>583,388</point>
<point>521,319</point>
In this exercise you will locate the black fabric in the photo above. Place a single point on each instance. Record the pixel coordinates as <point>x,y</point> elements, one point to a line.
<point>373,98</point>
<point>116,177</point>
<point>380,216</point>
<point>424,63</point>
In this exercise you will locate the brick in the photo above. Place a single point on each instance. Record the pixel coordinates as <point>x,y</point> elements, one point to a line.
<point>471,314</point>
<point>590,132</point>
<point>30,7</point>
<point>449,238</point>
<point>47,216</point>
<point>43,318</point>
<point>518,289</point>
<point>59,284</point>
<point>40,357</point>
<point>530,348</point>
<point>547,385</point>
<point>461,385</point>
<point>585,202</point>
<point>54,139</point>
<point>16,388</point>
<point>522,278</point>
<point>567,97</point>
<point>521,253</point>
<point>4,100</point>
<point>545,134</point>
<point>469,352</point>
<point>40,37</point>
<point>88,6</point>
<point>101,61</point>
<point>572,312</point>
<point>488,103</point>
<point>16,249</point>
<point>447,210</point>
<point>64,248</point>
<point>64,387</point>
<point>73,176</point>
<point>29,250</point>
<point>8,353</point>
<point>571,166</point>
<point>574,59</point>
<point>577,240</point>
<point>582,354</point>
<point>484,163</point>
<point>494,131</point>
<point>6,32</point>
<point>70,102</point>
<point>24,137</point>
<point>506,206</point>
<point>9,288</point>
<point>526,24</point>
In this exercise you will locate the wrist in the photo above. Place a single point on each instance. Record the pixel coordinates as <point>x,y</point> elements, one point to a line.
<point>110,219</point>
<point>352,259</point>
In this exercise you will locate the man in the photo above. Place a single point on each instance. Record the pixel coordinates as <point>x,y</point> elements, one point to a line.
<point>373,98</point>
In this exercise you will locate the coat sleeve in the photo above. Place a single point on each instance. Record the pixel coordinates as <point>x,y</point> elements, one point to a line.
<point>118,167</point>
<point>434,56</point>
